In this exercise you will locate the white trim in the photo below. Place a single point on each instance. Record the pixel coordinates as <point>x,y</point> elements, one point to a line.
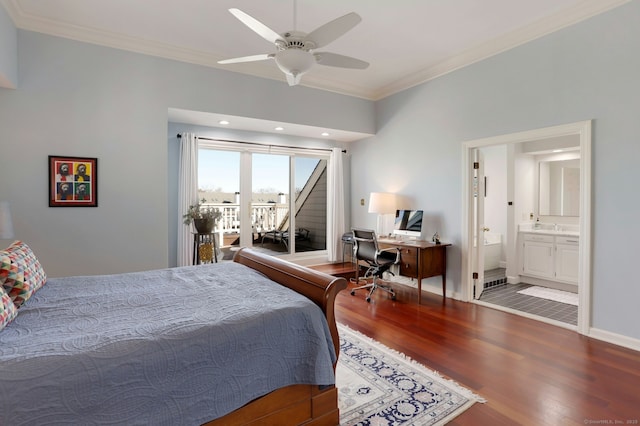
<point>582,11</point>
<point>540,28</point>
<point>583,129</point>
<point>527,315</point>
<point>246,150</point>
<point>584,265</point>
<point>239,146</point>
<point>616,339</point>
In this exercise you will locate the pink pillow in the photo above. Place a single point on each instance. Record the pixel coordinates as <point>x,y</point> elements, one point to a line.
<point>20,272</point>
<point>8,310</point>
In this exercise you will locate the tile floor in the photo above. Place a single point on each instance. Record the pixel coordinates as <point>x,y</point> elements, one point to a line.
<point>494,277</point>
<point>507,295</point>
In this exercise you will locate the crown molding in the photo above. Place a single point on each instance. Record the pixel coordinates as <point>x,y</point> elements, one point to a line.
<point>498,45</point>
<point>503,43</point>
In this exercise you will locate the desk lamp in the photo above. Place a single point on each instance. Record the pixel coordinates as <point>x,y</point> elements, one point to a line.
<point>382,203</point>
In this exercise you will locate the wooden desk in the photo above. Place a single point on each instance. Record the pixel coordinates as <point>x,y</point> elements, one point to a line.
<point>420,259</point>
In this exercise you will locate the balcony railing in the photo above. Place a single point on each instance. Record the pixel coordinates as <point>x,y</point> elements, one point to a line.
<point>264,216</point>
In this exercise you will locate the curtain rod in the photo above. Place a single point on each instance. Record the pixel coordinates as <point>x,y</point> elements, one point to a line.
<point>262,144</point>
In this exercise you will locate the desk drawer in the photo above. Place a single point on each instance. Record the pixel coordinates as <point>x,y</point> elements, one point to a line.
<point>409,262</point>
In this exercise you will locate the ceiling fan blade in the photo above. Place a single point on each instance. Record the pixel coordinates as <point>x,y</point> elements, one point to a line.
<point>332,30</point>
<point>335,60</point>
<point>251,58</point>
<point>261,29</point>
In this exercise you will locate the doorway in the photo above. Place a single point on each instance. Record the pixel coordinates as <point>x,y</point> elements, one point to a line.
<point>473,220</point>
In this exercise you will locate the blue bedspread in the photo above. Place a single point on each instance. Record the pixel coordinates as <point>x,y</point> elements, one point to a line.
<point>177,346</point>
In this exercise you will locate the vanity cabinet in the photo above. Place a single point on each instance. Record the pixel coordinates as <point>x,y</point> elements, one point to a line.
<point>550,257</point>
<point>538,256</point>
<point>567,259</point>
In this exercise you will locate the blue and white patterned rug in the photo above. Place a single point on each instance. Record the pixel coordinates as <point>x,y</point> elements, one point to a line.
<point>378,386</point>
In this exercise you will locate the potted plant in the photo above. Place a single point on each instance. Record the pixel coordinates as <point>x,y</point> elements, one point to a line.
<point>203,217</point>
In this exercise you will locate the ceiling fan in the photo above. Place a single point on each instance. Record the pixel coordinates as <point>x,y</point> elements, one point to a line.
<point>295,53</point>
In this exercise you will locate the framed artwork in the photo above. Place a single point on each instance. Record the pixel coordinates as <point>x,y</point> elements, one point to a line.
<point>73,181</point>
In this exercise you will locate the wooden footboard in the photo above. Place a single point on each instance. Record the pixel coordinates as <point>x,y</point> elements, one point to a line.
<point>292,405</point>
<point>317,286</point>
<point>298,404</point>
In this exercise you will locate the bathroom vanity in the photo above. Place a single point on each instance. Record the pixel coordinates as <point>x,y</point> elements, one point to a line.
<point>550,255</point>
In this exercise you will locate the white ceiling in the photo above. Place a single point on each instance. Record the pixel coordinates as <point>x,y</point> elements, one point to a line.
<point>407,42</point>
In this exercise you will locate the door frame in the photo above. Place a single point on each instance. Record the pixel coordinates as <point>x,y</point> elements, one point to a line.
<point>583,130</point>
<point>246,151</point>
<point>478,227</point>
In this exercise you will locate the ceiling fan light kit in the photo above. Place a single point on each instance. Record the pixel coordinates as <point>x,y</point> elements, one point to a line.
<point>295,54</point>
<point>294,62</point>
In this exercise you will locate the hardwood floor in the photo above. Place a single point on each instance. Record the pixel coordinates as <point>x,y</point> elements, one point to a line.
<point>530,373</point>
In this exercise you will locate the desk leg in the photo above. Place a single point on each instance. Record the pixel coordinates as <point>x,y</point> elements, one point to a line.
<point>444,287</point>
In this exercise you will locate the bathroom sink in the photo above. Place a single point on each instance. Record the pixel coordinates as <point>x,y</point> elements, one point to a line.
<point>553,232</point>
<point>551,229</point>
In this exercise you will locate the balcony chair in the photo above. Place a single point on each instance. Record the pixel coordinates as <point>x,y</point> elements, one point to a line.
<point>301,234</point>
<point>378,261</point>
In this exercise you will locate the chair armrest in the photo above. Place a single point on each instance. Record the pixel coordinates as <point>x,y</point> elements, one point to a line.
<point>389,249</point>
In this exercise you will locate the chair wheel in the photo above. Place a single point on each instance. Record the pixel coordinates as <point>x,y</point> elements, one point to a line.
<point>368,299</point>
<point>353,292</point>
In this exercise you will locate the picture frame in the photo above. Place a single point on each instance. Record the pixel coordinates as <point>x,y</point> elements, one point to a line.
<point>73,181</point>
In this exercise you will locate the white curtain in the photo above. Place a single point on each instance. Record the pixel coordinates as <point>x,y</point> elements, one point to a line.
<point>187,194</point>
<point>335,205</point>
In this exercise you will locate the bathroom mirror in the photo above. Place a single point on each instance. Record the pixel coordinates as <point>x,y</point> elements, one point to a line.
<point>559,187</point>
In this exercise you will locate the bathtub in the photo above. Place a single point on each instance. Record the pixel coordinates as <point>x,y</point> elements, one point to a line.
<point>492,250</point>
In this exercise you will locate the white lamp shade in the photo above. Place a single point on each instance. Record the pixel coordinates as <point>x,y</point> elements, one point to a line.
<point>294,61</point>
<point>6,225</point>
<point>382,203</point>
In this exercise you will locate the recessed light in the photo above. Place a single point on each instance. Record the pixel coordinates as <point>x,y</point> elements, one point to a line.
<point>279,128</point>
<point>325,133</point>
<point>223,122</point>
<point>557,150</point>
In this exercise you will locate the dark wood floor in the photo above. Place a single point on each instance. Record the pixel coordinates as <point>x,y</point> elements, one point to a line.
<point>530,373</point>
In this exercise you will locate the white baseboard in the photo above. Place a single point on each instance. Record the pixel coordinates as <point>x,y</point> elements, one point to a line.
<point>616,339</point>
<point>513,279</point>
<point>435,287</point>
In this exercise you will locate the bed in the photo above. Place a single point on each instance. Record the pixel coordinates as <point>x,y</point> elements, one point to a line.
<point>218,344</point>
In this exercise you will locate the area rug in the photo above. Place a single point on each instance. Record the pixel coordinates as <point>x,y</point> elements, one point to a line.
<point>551,294</point>
<point>379,386</point>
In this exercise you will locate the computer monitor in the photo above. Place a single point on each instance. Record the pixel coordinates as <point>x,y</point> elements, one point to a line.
<point>408,223</point>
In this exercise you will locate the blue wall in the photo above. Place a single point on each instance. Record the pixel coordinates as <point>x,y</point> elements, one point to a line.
<point>587,71</point>
<point>8,51</point>
<point>85,100</point>
<point>78,99</point>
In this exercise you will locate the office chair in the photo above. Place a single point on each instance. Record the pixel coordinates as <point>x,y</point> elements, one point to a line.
<point>379,261</point>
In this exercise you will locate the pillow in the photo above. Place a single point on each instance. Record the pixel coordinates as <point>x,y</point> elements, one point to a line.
<point>8,310</point>
<point>20,272</point>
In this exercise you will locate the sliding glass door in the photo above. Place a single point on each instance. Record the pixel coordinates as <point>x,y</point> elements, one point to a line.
<point>270,184</point>
<point>254,192</point>
<point>219,187</point>
<point>310,203</point>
